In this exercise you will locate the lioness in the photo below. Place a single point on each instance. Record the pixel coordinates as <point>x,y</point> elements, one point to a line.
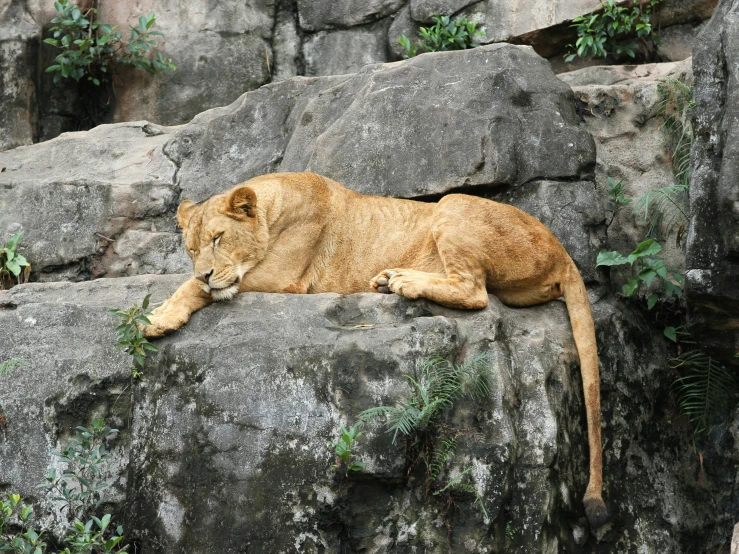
<point>303,233</point>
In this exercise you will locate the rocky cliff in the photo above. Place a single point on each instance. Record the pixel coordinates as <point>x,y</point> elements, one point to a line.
<point>223,441</point>
<point>226,48</point>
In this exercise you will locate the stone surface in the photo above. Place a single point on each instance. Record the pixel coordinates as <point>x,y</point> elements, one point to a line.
<point>341,52</point>
<point>713,237</point>
<point>286,42</point>
<point>504,20</point>
<point>19,36</point>
<point>223,441</point>
<point>676,42</point>
<point>619,105</point>
<point>317,16</point>
<point>423,10</point>
<point>220,49</point>
<point>686,11</point>
<point>403,24</point>
<point>62,192</point>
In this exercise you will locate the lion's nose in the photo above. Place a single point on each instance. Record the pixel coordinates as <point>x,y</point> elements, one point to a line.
<point>204,276</point>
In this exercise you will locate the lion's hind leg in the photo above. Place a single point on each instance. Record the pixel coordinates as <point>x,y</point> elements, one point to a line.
<point>455,290</point>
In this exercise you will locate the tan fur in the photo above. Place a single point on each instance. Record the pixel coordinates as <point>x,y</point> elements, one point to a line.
<point>303,233</point>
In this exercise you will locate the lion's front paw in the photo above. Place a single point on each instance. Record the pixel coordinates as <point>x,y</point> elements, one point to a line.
<point>406,282</point>
<point>380,282</point>
<point>160,326</point>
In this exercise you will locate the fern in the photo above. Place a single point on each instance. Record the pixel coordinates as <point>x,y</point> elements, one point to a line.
<point>675,105</point>
<point>705,389</point>
<point>441,456</point>
<point>436,385</point>
<point>664,209</point>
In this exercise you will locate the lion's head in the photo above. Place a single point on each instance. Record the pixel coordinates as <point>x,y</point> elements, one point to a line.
<point>225,237</point>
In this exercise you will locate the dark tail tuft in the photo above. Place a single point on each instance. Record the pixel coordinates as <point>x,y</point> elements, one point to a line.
<point>596,512</point>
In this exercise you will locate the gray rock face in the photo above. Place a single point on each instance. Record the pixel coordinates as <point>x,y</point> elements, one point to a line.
<point>223,441</point>
<point>221,50</point>
<point>341,52</point>
<point>60,193</point>
<point>317,16</point>
<point>18,113</point>
<point>422,10</point>
<point>713,238</point>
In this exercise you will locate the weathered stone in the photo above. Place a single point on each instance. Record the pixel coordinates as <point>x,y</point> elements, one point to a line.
<point>318,16</point>
<point>286,43</point>
<point>341,52</point>
<point>676,42</point>
<point>402,24</point>
<point>713,238</point>
<point>223,441</point>
<point>422,10</point>
<point>685,11</point>
<point>619,105</point>
<point>504,20</point>
<point>221,50</point>
<point>62,192</point>
<point>19,36</point>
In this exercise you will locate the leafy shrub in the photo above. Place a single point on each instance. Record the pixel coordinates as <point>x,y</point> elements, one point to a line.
<point>606,32</point>
<point>344,446</point>
<point>437,384</point>
<point>130,336</point>
<point>13,266</point>
<point>645,267</point>
<point>616,198</point>
<point>79,488</point>
<point>92,49</point>
<point>445,34</point>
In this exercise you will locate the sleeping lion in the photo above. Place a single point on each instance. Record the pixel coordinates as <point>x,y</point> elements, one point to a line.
<point>303,233</point>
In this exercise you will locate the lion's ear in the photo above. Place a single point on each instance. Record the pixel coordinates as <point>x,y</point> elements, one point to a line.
<point>184,213</point>
<point>242,203</point>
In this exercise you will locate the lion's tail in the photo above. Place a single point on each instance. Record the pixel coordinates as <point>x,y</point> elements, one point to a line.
<point>583,329</point>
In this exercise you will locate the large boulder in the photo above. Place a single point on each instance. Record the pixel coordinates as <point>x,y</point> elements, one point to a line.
<point>713,239</point>
<point>476,121</point>
<point>223,442</point>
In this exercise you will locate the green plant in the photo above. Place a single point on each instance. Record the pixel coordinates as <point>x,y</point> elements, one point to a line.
<point>79,487</point>
<point>7,367</point>
<point>445,34</point>
<point>665,209</point>
<point>436,385</point>
<point>603,33</point>
<point>616,198</point>
<point>12,264</point>
<point>130,336</point>
<point>93,49</point>
<point>344,447</point>
<point>16,534</point>
<point>705,387</point>
<point>645,267</point>
<point>676,106</point>
<point>510,530</point>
